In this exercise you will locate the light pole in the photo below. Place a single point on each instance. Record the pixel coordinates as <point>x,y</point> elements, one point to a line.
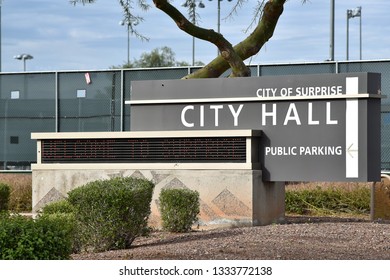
<point>122,22</point>
<point>331,43</point>
<point>1,2</point>
<point>192,15</point>
<point>351,14</point>
<point>219,16</point>
<point>128,22</point>
<point>24,57</point>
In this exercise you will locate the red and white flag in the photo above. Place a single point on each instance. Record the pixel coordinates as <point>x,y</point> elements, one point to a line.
<point>87,78</point>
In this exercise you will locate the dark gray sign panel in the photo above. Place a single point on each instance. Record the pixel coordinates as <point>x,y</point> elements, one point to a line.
<point>315,127</point>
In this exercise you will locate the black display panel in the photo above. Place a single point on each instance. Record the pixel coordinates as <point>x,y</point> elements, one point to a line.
<point>151,150</point>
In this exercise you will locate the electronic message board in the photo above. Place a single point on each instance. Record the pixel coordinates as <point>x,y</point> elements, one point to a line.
<point>144,150</point>
<point>323,127</point>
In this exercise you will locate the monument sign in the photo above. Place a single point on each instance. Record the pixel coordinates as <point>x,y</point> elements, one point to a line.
<point>323,127</point>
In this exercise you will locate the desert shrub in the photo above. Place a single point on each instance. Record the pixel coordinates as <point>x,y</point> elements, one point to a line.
<point>179,209</point>
<point>60,206</point>
<point>329,200</point>
<point>63,209</point>
<point>45,238</point>
<point>110,214</point>
<point>5,191</point>
<point>4,214</point>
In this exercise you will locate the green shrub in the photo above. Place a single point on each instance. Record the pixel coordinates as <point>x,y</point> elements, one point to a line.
<point>60,206</point>
<point>329,200</point>
<point>179,209</point>
<point>64,210</point>
<point>5,191</point>
<point>4,214</point>
<point>110,214</point>
<point>46,238</point>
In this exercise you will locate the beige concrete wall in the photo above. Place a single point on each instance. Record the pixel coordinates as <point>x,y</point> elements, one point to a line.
<point>228,197</point>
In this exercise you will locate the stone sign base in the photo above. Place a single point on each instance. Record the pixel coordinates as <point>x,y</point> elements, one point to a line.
<point>227,197</point>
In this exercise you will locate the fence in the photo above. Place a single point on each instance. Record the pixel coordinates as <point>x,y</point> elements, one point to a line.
<point>81,101</point>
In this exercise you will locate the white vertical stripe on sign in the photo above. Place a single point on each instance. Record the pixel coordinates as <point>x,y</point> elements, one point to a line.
<point>352,129</point>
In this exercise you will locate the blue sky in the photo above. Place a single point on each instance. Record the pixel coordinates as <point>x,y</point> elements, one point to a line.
<point>63,37</point>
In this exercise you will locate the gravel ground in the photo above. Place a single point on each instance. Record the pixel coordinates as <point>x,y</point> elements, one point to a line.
<point>300,238</point>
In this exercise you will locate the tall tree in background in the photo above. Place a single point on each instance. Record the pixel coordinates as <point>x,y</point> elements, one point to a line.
<point>233,57</point>
<point>158,57</point>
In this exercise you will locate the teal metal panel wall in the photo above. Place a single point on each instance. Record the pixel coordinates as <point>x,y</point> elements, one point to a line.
<point>94,101</point>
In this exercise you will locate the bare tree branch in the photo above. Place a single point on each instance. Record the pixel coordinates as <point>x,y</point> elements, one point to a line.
<point>267,13</point>
<point>239,68</point>
<point>249,46</point>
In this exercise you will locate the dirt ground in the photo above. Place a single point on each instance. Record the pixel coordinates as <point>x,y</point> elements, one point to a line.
<point>299,238</point>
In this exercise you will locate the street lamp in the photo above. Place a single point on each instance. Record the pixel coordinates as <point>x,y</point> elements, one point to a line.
<point>331,43</point>
<point>351,14</point>
<point>23,57</point>
<point>128,24</point>
<point>193,19</point>
<point>1,2</point>
<point>219,16</point>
